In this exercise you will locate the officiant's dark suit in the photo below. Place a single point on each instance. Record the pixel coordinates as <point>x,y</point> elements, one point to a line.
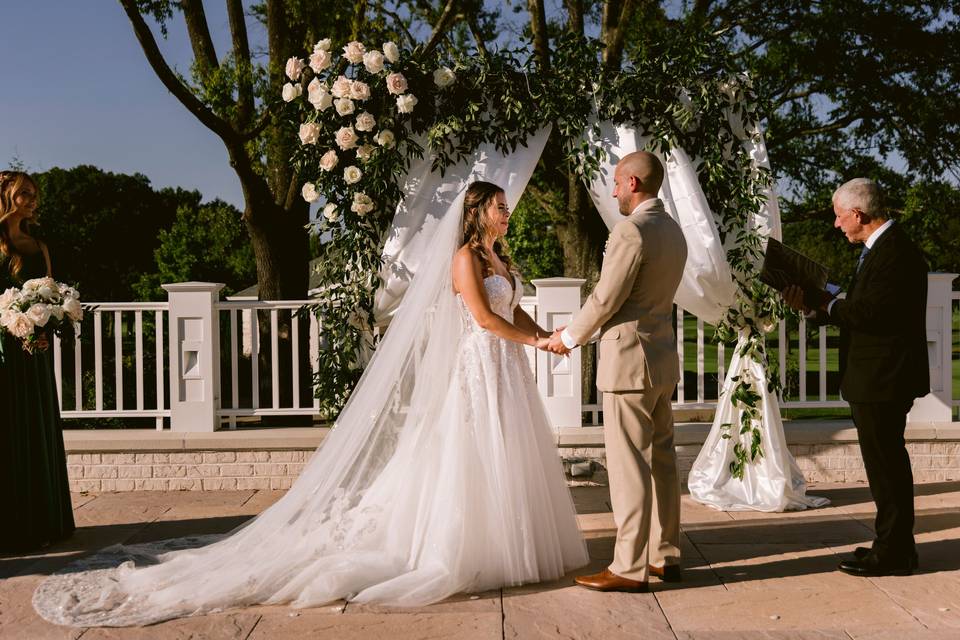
<point>883,368</point>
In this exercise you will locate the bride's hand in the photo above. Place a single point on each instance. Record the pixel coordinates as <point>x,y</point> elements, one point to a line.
<point>542,343</point>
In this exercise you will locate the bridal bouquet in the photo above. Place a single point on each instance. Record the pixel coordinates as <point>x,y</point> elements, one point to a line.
<point>41,305</point>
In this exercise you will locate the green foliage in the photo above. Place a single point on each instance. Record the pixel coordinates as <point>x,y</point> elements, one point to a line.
<point>206,243</point>
<point>533,243</point>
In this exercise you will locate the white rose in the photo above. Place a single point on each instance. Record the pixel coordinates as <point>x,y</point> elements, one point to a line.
<point>406,103</point>
<point>385,139</point>
<point>73,309</point>
<point>444,77</point>
<point>364,152</point>
<point>330,212</point>
<point>344,106</point>
<point>56,311</point>
<point>310,193</point>
<point>19,324</point>
<point>48,289</point>
<point>39,314</point>
<point>354,52</point>
<point>291,92</point>
<point>373,61</point>
<point>341,87</point>
<point>360,90</point>
<point>366,122</point>
<point>362,204</point>
<point>318,96</point>
<point>396,83</point>
<point>309,133</point>
<point>8,298</point>
<point>346,138</point>
<point>329,160</point>
<point>391,52</point>
<point>294,68</point>
<point>320,60</point>
<point>323,45</point>
<point>352,175</point>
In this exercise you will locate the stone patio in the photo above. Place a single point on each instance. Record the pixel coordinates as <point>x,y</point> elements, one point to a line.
<point>746,575</point>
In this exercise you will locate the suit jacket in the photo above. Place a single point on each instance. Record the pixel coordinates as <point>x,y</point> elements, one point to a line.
<point>632,303</point>
<point>883,333</point>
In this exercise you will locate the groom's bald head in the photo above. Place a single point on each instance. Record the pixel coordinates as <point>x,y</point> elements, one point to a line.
<point>638,177</point>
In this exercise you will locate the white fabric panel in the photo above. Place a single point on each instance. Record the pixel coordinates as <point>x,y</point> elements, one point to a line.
<point>410,239</point>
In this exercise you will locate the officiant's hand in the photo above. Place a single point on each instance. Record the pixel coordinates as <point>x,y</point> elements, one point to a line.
<point>793,296</point>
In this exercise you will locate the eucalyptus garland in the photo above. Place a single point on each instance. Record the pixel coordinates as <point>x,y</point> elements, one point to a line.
<point>360,113</point>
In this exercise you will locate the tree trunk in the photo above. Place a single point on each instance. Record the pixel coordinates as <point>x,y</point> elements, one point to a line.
<point>583,237</point>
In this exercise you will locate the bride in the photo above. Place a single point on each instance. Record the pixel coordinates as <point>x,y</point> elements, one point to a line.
<point>439,477</point>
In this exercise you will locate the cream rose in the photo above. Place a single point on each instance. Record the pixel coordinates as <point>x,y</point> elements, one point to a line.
<point>329,160</point>
<point>373,61</point>
<point>291,92</point>
<point>320,60</point>
<point>396,83</point>
<point>352,175</point>
<point>48,289</point>
<point>294,68</point>
<point>391,52</point>
<point>8,298</point>
<point>19,324</point>
<point>366,122</point>
<point>385,139</point>
<point>344,106</point>
<point>310,193</point>
<point>360,90</point>
<point>362,204</point>
<point>341,87</point>
<point>406,103</point>
<point>72,308</point>
<point>354,52</point>
<point>322,45</point>
<point>331,213</point>
<point>365,151</point>
<point>56,311</point>
<point>318,96</point>
<point>444,77</point>
<point>309,133</point>
<point>39,314</point>
<point>346,138</point>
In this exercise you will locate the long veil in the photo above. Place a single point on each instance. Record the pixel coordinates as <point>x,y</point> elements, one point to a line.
<point>326,538</point>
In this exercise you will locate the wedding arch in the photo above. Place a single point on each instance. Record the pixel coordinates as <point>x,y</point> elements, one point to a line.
<point>383,132</point>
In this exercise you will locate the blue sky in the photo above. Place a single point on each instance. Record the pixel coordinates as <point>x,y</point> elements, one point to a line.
<point>77,89</point>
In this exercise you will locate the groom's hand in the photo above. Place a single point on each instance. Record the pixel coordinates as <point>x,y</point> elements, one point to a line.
<point>556,344</point>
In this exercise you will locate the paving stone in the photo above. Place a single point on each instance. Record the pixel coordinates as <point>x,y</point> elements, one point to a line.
<point>581,614</point>
<point>307,623</point>
<point>221,626</point>
<point>123,508</point>
<point>792,634</point>
<point>777,566</point>
<point>933,599</point>
<point>487,602</point>
<point>813,528</point>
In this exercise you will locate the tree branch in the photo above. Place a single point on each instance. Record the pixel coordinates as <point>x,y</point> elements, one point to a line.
<point>398,22</point>
<point>359,18</point>
<point>199,32</point>
<point>447,20</point>
<point>477,38</point>
<point>241,55</point>
<point>836,125</point>
<point>169,79</point>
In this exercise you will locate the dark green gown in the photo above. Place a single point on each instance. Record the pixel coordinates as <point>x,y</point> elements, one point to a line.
<point>33,466</point>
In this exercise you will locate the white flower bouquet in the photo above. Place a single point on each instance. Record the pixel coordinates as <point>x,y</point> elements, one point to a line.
<point>40,306</point>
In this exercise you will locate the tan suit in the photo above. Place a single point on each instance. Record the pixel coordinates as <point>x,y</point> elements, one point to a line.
<point>632,306</point>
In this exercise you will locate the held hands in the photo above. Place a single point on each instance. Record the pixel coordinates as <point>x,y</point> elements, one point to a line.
<point>555,343</point>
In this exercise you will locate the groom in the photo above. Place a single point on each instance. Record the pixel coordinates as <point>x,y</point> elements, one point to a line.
<point>632,306</point>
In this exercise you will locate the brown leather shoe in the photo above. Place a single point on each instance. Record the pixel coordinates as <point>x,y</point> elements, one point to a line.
<point>667,573</point>
<point>606,580</point>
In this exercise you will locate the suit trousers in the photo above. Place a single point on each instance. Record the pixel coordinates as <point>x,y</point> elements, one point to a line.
<point>644,483</point>
<point>880,427</point>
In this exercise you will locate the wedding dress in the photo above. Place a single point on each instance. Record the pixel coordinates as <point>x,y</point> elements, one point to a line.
<point>441,476</point>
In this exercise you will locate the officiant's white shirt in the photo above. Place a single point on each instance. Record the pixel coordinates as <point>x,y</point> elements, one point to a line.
<point>872,240</point>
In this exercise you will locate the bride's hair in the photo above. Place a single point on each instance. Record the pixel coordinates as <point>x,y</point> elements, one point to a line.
<point>11,182</point>
<point>477,226</point>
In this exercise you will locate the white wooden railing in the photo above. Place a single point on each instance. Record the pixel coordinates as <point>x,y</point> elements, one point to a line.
<point>129,356</point>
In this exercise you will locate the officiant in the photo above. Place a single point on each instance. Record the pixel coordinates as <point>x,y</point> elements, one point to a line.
<point>883,365</point>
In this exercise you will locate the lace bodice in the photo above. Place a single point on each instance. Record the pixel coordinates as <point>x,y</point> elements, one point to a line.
<point>503,299</point>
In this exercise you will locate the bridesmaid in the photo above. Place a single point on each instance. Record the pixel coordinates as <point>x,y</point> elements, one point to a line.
<point>33,467</point>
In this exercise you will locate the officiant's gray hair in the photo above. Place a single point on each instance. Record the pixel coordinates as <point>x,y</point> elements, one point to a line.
<point>863,194</point>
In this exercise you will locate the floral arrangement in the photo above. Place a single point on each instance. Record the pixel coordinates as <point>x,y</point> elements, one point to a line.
<point>39,306</point>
